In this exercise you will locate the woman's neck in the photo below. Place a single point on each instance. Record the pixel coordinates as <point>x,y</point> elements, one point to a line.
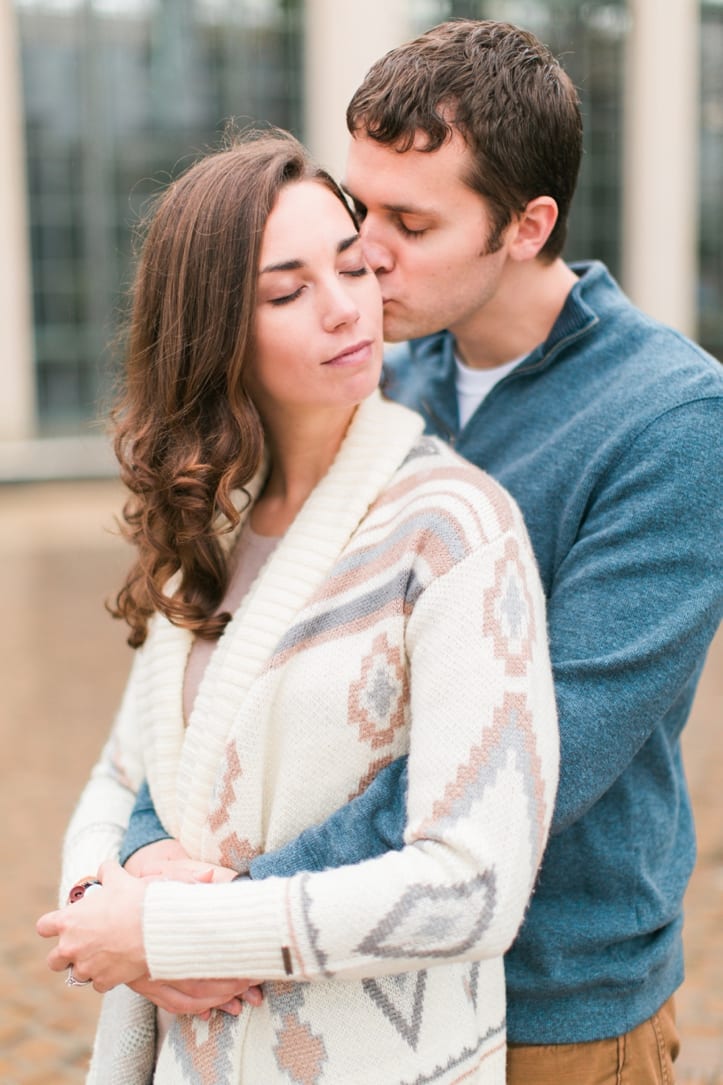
<point>301,451</point>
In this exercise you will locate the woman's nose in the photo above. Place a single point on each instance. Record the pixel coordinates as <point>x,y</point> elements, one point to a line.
<point>341,308</point>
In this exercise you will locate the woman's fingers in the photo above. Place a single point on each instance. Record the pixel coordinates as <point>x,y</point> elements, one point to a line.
<point>49,925</point>
<point>52,925</point>
<point>101,934</point>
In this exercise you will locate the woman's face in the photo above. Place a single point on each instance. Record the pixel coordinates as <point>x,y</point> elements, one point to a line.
<point>318,326</point>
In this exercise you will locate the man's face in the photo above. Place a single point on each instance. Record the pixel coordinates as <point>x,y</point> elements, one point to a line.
<point>424,232</point>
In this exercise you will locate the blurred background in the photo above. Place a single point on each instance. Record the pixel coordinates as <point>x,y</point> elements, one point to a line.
<point>101,103</point>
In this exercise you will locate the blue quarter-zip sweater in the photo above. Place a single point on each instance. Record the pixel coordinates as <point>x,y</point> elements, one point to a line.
<point>608,435</point>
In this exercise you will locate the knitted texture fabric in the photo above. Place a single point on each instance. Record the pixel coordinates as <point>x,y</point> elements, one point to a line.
<point>401,613</point>
<point>124,1056</point>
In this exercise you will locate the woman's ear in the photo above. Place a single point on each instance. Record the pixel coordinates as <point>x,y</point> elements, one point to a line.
<point>533,227</point>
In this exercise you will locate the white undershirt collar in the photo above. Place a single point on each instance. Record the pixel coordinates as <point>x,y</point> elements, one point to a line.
<point>472,385</point>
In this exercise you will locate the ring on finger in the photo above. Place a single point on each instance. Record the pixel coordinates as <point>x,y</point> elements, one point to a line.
<point>71,981</point>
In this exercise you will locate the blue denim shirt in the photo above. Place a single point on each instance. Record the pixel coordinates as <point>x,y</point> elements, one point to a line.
<point>608,436</point>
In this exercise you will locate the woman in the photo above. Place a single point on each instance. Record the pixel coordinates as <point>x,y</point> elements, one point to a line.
<point>318,589</point>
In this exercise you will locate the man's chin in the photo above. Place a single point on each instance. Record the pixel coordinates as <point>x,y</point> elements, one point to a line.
<point>396,331</point>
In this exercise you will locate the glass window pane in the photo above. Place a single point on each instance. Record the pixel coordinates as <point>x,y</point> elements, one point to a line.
<point>119,96</point>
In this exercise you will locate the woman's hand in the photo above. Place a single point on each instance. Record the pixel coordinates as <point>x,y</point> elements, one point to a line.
<point>101,936</point>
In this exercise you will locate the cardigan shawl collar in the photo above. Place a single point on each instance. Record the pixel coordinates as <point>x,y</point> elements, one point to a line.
<point>182,761</point>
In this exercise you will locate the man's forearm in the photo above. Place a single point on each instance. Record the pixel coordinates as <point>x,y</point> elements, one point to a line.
<point>144,826</point>
<point>369,825</point>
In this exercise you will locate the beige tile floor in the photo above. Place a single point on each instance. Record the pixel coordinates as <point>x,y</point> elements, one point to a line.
<point>63,663</point>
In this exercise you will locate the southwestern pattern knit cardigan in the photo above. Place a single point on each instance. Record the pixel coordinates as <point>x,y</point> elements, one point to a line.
<point>401,612</point>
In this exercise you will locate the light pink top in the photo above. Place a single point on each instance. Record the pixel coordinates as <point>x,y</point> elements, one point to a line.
<point>249,554</point>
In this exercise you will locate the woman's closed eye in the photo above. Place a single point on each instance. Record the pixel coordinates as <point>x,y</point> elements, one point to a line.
<point>284,299</point>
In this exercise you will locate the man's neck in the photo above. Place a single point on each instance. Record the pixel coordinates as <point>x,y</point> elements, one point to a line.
<point>519,317</point>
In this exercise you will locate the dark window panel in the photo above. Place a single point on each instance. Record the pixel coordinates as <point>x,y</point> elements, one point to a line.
<point>118,99</point>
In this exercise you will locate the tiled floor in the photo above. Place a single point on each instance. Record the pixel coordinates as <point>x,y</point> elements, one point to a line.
<point>63,663</point>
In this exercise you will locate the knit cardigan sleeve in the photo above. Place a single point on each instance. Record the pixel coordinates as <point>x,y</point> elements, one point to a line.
<point>101,815</point>
<point>483,763</point>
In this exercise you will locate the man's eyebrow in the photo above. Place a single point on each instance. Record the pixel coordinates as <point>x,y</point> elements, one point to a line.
<point>396,208</point>
<point>296,265</point>
<point>406,209</point>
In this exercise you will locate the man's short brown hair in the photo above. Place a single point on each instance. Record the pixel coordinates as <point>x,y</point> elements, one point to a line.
<point>506,94</point>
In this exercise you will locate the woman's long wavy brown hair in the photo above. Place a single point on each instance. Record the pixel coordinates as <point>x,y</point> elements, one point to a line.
<point>186,432</point>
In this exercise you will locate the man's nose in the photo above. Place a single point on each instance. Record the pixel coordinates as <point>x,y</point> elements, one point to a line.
<point>340,307</point>
<point>376,253</point>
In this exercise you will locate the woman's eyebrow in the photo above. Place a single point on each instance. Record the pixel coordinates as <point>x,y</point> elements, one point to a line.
<point>286,265</point>
<point>295,265</point>
<point>347,243</point>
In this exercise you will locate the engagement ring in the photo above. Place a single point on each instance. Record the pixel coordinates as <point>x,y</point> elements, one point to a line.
<point>71,981</point>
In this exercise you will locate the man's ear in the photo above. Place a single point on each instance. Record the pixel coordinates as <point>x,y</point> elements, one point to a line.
<point>533,227</point>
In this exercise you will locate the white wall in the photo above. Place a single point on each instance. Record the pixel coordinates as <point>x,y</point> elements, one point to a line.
<point>660,205</point>
<point>342,39</point>
<point>17,407</point>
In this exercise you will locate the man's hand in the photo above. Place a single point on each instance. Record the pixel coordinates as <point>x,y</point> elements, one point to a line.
<point>169,860</point>
<point>101,936</point>
<point>199,997</point>
<point>152,858</point>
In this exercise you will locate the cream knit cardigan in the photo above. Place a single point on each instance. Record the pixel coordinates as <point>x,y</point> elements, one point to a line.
<point>401,612</point>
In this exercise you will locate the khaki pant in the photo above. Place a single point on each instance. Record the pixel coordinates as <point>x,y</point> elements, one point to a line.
<point>643,1056</point>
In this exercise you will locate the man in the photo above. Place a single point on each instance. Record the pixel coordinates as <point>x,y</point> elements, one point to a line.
<point>604,426</point>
